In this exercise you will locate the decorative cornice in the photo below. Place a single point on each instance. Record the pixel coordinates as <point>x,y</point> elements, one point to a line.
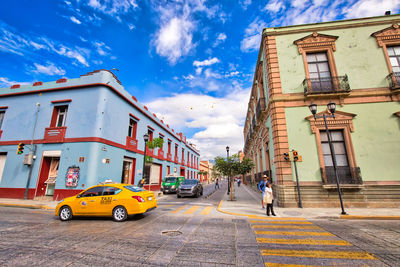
<point>343,119</point>
<point>316,40</point>
<point>388,35</point>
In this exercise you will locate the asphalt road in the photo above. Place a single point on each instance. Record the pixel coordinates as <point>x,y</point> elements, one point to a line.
<point>191,232</point>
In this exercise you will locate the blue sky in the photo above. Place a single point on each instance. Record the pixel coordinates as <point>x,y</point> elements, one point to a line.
<point>190,61</point>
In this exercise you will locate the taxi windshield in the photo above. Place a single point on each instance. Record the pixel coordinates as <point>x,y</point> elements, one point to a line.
<point>170,180</point>
<point>134,188</point>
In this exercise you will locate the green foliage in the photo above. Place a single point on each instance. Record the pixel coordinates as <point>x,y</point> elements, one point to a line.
<point>233,166</point>
<point>148,159</point>
<point>202,172</point>
<point>157,142</point>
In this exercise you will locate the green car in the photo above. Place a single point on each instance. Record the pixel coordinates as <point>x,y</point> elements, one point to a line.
<point>170,183</point>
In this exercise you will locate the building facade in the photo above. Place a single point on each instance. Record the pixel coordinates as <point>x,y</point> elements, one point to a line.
<point>206,166</point>
<point>84,131</point>
<point>353,63</point>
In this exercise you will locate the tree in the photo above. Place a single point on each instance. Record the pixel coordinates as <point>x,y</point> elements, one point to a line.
<point>233,166</point>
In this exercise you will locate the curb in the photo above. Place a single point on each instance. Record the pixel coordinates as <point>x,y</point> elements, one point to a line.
<point>340,217</point>
<point>28,206</point>
<point>368,217</point>
<point>252,216</point>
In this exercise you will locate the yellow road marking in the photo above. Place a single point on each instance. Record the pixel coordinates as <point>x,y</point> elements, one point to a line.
<point>167,206</point>
<point>206,210</point>
<point>179,209</point>
<point>287,226</point>
<point>191,210</point>
<point>318,254</point>
<point>279,222</point>
<point>276,218</point>
<point>272,264</point>
<point>304,242</point>
<point>292,233</point>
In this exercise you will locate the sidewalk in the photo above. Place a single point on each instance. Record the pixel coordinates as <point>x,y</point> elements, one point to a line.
<point>248,203</point>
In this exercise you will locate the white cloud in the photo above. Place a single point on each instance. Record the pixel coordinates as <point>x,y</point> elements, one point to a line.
<point>75,20</point>
<point>5,82</point>
<point>245,3</point>
<point>219,120</point>
<point>177,23</point>
<point>102,48</point>
<point>50,69</point>
<point>252,37</point>
<point>174,39</point>
<point>131,26</point>
<point>369,8</point>
<point>274,6</point>
<point>77,53</point>
<point>113,7</point>
<point>206,62</point>
<point>220,39</point>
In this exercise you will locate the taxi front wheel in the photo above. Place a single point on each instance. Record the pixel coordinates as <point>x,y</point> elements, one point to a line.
<point>65,213</point>
<point>119,214</point>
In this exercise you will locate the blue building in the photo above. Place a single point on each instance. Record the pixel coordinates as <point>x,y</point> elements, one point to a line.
<point>85,131</point>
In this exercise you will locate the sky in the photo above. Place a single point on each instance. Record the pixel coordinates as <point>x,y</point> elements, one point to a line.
<point>191,62</point>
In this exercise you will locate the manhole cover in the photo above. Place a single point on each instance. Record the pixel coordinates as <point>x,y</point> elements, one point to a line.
<point>171,233</point>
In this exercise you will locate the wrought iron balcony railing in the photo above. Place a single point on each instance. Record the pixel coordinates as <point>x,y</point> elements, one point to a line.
<point>347,175</point>
<point>328,85</point>
<point>394,80</point>
<point>260,106</point>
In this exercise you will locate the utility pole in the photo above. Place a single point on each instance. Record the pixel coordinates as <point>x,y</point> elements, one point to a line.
<point>32,153</point>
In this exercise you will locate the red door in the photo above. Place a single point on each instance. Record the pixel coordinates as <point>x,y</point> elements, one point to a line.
<point>43,176</point>
<point>183,172</point>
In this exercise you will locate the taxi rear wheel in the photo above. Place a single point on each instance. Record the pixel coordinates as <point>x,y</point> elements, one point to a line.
<point>119,214</point>
<point>65,213</point>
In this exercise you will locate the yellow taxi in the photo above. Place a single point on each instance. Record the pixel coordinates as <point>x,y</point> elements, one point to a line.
<point>116,200</point>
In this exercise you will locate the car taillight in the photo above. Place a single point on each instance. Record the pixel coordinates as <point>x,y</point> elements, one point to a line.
<point>138,198</point>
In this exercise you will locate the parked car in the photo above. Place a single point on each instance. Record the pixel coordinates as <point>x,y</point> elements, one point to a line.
<point>171,183</point>
<point>116,200</point>
<point>190,187</point>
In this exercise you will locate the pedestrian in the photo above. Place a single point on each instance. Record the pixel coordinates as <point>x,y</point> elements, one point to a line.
<point>269,199</point>
<point>141,183</point>
<point>216,184</point>
<point>261,186</point>
<point>239,181</point>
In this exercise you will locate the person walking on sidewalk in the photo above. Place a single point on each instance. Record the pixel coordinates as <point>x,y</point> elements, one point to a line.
<point>261,186</point>
<point>216,184</point>
<point>269,199</point>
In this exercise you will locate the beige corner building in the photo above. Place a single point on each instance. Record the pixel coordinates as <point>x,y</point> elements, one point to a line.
<point>353,63</point>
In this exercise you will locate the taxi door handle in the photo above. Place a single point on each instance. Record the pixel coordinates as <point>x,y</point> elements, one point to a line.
<point>115,199</point>
<point>92,200</point>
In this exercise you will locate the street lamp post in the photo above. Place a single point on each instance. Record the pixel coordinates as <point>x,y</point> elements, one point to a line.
<point>145,138</point>
<point>229,179</point>
<point>331,107</point>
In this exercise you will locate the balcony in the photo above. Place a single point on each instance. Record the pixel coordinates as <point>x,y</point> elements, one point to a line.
<point>161,154</point>
<point>169,156</point>
<point>328,85</point>
<point>260,107</point>
<point>394,80</point>
<point>347,176</point>
<point>54,134</point>
<point>131,143</point>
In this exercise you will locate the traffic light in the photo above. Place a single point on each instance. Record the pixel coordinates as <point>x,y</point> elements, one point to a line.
<point>20,149</point>
<point>287,156</point>
<point>295,155</point>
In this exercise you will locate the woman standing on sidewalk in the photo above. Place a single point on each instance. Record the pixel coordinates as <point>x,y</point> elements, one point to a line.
<point>269,199</point>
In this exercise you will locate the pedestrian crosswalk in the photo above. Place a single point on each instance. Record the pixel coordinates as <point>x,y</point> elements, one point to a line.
<point>297,242</point>
<point>189,209</point>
